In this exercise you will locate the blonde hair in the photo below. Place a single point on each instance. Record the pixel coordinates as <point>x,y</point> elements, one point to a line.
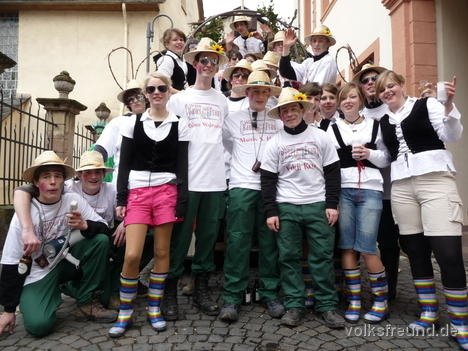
<point>385,77</point>
<point>157,75</point>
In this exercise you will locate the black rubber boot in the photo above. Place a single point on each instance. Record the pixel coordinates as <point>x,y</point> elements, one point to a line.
<point>169,306</point>
<point>201,296</point>
<point>391,260</point>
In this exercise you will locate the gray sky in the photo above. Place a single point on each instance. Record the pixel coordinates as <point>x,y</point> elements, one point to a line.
<point>285,8</point>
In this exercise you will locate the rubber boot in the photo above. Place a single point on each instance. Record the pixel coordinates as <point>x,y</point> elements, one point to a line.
<point>155,295</point>
<point>352,278</point>
<point>457,308</point>
<point>379,288</point>
<point>127,292</point>
<point>427,299</point>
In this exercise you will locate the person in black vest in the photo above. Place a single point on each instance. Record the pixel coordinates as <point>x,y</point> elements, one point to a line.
<point>424,196</point>
<point>361,150</point>
<point>170,61</point>
<point>151,192</point>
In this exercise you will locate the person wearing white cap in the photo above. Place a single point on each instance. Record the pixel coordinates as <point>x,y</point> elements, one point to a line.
<point>246,42</point>
<point>300,182</point>
<point>35,286</point>
<point>202,111</point>
<point>245,133</point>
<point>320,68</point>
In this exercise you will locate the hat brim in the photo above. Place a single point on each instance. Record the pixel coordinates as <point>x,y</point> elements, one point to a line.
<point>274,111</point>
<point>190,56</point>
<point>121,95</point>
<point>273,42</point>
<point>274,90</point>
<point>28,174</point>
<point>228,71</point>
<point>378,69</point>
<point>89,168</point>
<point>329,37</point>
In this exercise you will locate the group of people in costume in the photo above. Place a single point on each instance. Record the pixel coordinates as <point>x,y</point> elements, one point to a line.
<point>309,171</point>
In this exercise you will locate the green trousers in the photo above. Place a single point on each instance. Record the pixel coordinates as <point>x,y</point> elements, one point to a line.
<point>204,213</point>
<point>309,220</point>
<point>40,300</point>
<point>245,220</point>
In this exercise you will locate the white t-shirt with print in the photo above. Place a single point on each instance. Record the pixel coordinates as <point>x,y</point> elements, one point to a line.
<point>202,114</point>
<point>299,160</point>
<point>248,145</point>
<point>103,202</point>
<point>50,222</point>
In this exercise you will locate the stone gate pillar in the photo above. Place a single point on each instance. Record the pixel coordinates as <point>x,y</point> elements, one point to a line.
<point>62,112</point>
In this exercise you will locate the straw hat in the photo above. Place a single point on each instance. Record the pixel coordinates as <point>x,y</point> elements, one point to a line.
<point>279,36</point>
<point>260,65</point>
<point>258,79</point>
<point>289,95</point>
<point>206,45</point>
<point>92,160</point>
<point>368,67</point>
<point>241,64</point>
<point>272,58</point>
<point>47,158</point>
<point>239,19</point>
<point>322,31</point>
<point>133,87</point>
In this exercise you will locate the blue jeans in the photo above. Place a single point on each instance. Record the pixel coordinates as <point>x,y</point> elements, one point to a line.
<point>360,211</point>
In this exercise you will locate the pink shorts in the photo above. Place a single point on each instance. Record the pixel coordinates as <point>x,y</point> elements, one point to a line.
<point>153,205</point>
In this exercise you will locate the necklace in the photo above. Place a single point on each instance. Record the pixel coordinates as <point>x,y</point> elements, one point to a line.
<point>353,122</point>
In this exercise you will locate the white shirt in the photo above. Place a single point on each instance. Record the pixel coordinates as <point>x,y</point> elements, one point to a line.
<point>321,71</point>
<point>246,145</point>
<point>202,114</point>
<point>141,179</point>
<point>367,177</point>
<point>50,222</point>
<point>165,64</point>
<point>448,129</point>
<point>104,202</point>
<point>299,160</point>
<point>251,45</point>
<point>111,140</point>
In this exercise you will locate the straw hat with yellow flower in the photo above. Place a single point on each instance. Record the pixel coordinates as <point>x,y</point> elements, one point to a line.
<point>289,95</point>
<point>207,45</point>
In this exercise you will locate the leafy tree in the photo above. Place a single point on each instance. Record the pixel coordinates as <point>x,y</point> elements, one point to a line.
<point>212,29</point>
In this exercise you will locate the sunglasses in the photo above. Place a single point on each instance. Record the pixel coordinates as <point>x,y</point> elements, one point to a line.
<point>150,89</point>
<point>369,79</point>
<point>240,75</point>
<point>206,60</point>
<point>136,98</point>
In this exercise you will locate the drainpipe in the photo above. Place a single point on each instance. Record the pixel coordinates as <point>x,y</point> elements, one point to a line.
<point>124,14</point>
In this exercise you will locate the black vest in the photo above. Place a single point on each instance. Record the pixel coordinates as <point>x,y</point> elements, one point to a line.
<point>155,156</point>
<point>344,152</point>
<point>178,75</point>
<point>417,131</point>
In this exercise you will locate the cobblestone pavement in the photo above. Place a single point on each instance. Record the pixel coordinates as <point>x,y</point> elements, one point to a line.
<point>254,331</point>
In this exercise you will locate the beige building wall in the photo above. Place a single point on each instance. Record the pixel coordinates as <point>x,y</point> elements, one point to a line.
<point>452,51</point>
<point>80,41</point>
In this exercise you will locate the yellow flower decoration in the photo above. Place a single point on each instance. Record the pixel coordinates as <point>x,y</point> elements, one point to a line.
<point>300,97</point>
<point>218,48</point>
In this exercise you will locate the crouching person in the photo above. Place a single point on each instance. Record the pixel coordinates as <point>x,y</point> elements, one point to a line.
<point>36,263</point>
